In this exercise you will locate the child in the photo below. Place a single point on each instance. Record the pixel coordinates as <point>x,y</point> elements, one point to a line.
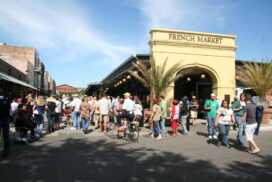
<point>175,117</point>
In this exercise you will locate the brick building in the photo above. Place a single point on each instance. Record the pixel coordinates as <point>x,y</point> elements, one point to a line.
<point>24,64</point>
<point>68,89</point>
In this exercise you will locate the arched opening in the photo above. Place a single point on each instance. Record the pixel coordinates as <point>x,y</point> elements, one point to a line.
<point>197,82</point>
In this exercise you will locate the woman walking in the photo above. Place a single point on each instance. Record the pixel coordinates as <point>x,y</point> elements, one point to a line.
<point>39,109</point>
<point>224,120</point>
<point>85,115</point>
<point>155,116</point>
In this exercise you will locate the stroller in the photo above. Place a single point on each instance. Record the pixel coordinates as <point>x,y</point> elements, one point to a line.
<point>24,124</point>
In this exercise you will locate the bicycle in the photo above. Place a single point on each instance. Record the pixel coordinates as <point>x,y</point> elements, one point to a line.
<point>130,132</point>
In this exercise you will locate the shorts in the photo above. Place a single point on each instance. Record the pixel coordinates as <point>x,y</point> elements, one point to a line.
<point>96,117</point>
<point>193,114</point>
<point>174,124</point>
<point>104,118</point>
<point>250,129</point>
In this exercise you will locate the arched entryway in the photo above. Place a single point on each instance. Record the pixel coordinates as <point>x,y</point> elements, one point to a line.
<point>195,82</point>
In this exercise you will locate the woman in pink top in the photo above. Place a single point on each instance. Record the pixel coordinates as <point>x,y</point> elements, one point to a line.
<point>118,107</point>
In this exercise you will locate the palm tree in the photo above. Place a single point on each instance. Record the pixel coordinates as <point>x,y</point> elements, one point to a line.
<point>156,78</point>
<point>258,76</point>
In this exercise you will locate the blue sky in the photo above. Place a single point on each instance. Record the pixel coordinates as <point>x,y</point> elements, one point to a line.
<point>81,41</point>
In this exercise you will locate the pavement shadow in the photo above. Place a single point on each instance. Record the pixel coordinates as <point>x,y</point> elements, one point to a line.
<point>81,160</point>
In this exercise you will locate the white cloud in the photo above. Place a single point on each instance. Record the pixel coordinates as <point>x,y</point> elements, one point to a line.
<point>180,14</point>
<point>59,26</point>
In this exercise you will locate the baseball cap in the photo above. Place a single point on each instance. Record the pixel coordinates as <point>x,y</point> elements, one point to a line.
<point>175,101</point>
<point>213,95</point>
<point>155,100</point>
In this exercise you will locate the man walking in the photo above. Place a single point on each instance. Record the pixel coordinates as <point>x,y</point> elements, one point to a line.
<point>104,109</point>
<point>163,115</point>
<point>76,112</point>
<point>251,124</point>
<point>211,107</point>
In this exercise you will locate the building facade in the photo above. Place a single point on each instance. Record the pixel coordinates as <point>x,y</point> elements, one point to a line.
<point>66,89</point>
<point>211,55</point>
<point>32,70</point>
<point>207,59</point>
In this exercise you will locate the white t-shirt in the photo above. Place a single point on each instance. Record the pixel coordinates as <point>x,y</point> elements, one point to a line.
<point>14,106</point>
<point>58,106</point>
<point>128,105</point>
<point>104,106</point>
<point>76,103</point>
<point>138,109</point>
<point>177,108</point>
<point>225,115</point>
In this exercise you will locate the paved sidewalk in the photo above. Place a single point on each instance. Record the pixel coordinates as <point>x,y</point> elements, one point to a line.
<point>70,156</point>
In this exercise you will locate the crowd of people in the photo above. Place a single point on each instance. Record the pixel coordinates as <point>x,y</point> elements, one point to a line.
<point>82,111</point>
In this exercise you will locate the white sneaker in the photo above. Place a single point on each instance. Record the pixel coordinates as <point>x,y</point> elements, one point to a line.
<point>72,128</point>
<point>210,137</point>
<point>159,137</point>
<point>214,136</point>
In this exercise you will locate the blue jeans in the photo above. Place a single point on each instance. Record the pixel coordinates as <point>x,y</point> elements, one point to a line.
<point>51,120</point>
<point>163,130</point>
<point>76,120</point>
<point>126,115</point>
<point>39,129</point>
<point>85,124</point>
<point>241,128</point>
<point>4,124</point>
<point>156,127</point>
<point>183,123</point>
<point>223,134</point>
<point>211,123</point>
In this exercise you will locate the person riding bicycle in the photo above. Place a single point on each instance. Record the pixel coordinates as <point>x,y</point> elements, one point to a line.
<point>128,108</point>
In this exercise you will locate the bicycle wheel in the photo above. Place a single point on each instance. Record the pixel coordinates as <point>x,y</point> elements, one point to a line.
<point>112,130</point>
<point>132,132</point>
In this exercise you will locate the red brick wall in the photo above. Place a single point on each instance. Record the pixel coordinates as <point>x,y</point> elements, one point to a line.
<point>66,88</point>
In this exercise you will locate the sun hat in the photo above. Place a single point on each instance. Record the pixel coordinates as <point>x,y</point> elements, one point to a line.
<point>51,99</point>
<point>193,97</point>
<point>127,94</point>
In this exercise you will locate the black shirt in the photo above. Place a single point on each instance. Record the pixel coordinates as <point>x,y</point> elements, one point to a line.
<point>250,109</point>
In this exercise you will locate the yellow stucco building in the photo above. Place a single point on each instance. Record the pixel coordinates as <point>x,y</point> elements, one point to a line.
<point>210,59</point>
<point>203,53</point>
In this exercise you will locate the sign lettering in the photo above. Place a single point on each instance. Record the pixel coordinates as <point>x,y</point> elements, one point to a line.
<point>195,38</point>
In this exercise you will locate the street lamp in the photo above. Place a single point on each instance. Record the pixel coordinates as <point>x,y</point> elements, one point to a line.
<point>128,77</point>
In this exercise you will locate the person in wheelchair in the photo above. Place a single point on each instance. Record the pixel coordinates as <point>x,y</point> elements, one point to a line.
<point>127,113</point>
<point>23,121</point>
